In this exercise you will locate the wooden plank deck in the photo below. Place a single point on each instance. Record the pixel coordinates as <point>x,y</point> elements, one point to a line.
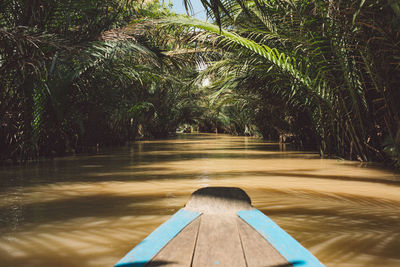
<point>219,237</point>
<point>184,243</point>
<point>258,251</point>
<point>219,241</point>
<point>219,227</point>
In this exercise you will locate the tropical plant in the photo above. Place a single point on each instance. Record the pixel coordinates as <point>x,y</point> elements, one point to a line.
<point>331,67</point>
<point>82,74</point>
<point>79,74</point>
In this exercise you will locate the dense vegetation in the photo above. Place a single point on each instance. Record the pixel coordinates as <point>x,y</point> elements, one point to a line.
<point>78,74</point>
<point>326,73</point>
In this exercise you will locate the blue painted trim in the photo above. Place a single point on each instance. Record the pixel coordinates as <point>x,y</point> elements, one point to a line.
<point>151,245</point>
<point>285,244</point>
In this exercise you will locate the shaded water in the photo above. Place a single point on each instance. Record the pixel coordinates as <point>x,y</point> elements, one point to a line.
<point>91,210</point>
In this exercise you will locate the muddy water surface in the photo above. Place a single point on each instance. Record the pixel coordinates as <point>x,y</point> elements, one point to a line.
<point>91,210</point>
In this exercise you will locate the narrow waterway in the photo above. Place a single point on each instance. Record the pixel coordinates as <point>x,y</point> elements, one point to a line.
<point>90,210</point>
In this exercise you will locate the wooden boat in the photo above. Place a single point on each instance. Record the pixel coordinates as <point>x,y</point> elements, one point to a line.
<point>219,227</point>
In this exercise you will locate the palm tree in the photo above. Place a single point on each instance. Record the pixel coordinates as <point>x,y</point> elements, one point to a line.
<point>317,58</point>
<point>84,74</point>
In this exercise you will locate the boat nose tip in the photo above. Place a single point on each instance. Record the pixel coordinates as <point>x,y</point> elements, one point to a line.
<point>219,200</point>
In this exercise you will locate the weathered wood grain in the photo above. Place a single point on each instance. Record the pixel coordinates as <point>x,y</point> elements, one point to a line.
<point>219,200</point>
<point>218,242</point>
<point>229,233</point>
<point>179,251</point>
<point>258,251</point>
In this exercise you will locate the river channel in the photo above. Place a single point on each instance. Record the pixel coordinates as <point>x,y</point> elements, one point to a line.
<point>90,210</point>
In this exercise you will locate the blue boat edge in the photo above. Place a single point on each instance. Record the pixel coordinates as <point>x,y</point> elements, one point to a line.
<point>143,253</point>
<point>284,243</point>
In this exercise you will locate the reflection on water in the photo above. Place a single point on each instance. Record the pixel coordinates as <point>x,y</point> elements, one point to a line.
<point>91,210</point>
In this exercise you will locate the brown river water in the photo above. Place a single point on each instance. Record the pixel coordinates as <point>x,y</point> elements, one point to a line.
<point>90,210</point>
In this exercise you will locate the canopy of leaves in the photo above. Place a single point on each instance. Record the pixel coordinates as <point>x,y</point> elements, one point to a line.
<point>81,74</point>
<point>77,74</point>
<point>325,72</point>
